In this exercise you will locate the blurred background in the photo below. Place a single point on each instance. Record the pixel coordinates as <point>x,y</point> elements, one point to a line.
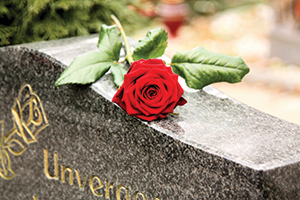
<point>265,33</point>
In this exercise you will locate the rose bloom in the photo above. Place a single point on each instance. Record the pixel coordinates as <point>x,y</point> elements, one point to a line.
<point>150,90</point>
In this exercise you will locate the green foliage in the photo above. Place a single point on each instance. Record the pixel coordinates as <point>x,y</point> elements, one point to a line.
<point>118,71</point>
<point>151,46</point>
<point>110,41</point>
<point>200,67</point>
<point>86,68</point>
<point>23,21</point>
<point>89,67</point>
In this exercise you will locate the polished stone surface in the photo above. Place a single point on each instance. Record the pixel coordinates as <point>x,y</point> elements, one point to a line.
<point>217,148</point>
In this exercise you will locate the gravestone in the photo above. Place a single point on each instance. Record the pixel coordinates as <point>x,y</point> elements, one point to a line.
<point>284,38</point>
<point>73,143</point>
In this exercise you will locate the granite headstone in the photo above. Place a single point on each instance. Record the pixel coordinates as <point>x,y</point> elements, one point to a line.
<point>74,143</point>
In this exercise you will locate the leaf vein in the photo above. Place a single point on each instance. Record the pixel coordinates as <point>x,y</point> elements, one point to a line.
<point>78,69</point>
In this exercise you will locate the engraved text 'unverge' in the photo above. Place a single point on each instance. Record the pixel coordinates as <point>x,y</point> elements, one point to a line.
<point>94,182</point>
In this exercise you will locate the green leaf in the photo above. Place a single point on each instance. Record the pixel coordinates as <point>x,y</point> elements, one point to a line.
<point>151,46</point>
<point>110,42</point>
<point>84,69</point>
<point>118,71</point>
<point>200,67</point>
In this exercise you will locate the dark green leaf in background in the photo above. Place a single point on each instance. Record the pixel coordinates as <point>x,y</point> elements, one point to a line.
<point>24,20</point>
<point>200,67</point>
<point>109,42</point>
<point>151,46</point>
<point>85,68</point>
<point>118,71</point>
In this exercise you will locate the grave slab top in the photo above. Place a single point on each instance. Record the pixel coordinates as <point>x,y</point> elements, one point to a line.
<point>210,121</point>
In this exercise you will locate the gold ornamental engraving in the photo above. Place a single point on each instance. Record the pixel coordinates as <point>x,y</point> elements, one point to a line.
<point>29,120</point>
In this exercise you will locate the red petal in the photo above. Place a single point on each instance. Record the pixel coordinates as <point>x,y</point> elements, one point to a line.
<point>181,101</point>
<point>154,61</point>
<point>135,65</point>
<point>118,98</point>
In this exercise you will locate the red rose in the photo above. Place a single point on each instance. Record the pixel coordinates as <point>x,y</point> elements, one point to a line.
<point>150,90</point>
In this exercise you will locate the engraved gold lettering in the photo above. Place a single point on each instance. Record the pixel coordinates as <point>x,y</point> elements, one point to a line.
<point>63,171</point>
<point>55,177</point>
<point>94,189</point>
<point>140,194</point>
<point>108,186</point>
<point>80,185</point>
<point>95,183</point>
<point>119,192</point>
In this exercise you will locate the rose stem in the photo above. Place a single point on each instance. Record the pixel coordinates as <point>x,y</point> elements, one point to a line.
<point>127,46</point>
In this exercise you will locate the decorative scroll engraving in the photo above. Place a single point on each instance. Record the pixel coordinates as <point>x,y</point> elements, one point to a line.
<point>29,120</point>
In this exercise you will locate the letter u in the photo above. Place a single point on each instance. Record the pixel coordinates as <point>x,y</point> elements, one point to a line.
<point>55,177</point>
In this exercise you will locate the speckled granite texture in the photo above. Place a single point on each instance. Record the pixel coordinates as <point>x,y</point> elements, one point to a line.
<point>217,148</point>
